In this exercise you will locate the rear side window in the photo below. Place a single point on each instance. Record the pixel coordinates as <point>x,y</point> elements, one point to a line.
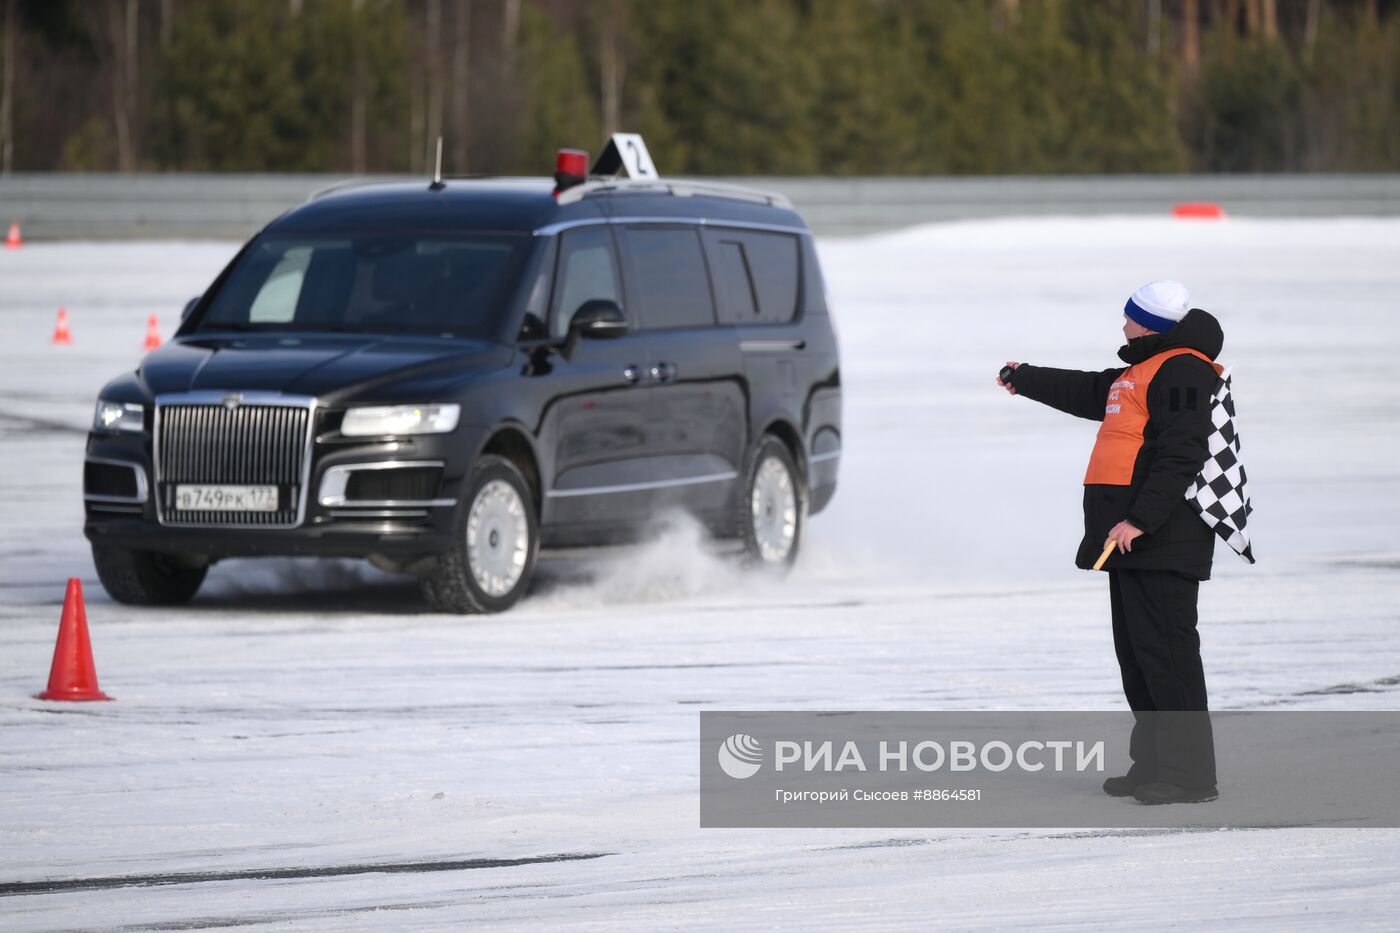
<point>587,270</point>
<point>738,303</point>
<point>669,277</point>
<point>756,275</point>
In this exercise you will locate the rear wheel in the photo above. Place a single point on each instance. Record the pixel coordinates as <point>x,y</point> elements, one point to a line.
<point>773,510</point>
<point>495,543</point>
<point>146,578</point>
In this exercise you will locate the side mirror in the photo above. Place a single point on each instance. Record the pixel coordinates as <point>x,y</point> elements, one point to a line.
<point>189,306</point>
<point>598,317</point>
<point>595,318</point>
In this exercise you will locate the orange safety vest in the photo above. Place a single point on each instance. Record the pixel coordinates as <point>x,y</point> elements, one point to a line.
<point>1125,420</point>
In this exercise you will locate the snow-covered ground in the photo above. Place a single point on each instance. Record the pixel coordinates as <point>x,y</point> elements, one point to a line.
<point>301,720</point>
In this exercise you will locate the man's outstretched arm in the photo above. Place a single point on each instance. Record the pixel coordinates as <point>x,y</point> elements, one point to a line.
<point>1073,391</point>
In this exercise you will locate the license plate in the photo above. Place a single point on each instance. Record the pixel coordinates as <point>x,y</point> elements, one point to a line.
<point>226,498</point>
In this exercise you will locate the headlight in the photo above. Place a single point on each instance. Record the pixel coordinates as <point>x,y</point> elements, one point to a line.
<point>119,416</point>
<point>400,419</point>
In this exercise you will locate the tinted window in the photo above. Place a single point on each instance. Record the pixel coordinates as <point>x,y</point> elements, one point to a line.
<point>276,300</point>
<point>670,279</point>
<point>373,283</point>
<point>587,271</point>
<point>738,304</point>
<point>756,274</point>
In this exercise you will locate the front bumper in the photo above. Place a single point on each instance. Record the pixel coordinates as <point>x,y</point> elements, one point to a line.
<point>335,522</point>
<point>393,539</point>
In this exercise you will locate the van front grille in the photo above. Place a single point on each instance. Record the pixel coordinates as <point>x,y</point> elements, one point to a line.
<point>245,445</point>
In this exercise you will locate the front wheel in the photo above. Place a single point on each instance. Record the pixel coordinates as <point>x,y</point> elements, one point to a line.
<point>495,543</point>
<point>773,510</point>
<point>146,578</point>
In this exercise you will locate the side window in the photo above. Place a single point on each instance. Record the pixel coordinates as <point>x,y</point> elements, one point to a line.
<point>773,258</point>
<point>669,277</point>
<point>757,275</point>
<point>738,304</point>
<point>276,301</point>
<point>586,270</point>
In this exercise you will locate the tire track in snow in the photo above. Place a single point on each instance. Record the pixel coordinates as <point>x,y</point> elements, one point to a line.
<point>68,885</point>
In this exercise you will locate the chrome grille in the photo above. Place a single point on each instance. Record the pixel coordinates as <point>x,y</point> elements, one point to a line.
<point>249,444</point>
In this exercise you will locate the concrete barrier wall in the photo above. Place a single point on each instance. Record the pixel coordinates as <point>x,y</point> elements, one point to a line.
<point>864,205</point>
<point>104,207</point>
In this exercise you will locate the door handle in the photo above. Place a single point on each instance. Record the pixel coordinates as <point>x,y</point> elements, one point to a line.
<point>632,374</point>
<point>662,372</point>
<point>770,346</point>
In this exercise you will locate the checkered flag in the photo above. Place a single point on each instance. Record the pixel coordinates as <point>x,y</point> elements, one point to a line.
<point>1219,493</point>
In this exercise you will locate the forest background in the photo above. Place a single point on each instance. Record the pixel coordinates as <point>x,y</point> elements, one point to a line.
<point>726,87</point>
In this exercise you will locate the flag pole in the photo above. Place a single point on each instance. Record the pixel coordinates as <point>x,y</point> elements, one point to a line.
<point>1107,550</point>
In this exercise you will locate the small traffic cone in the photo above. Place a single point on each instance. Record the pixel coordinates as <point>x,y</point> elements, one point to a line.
<point>1198,210</point>
<point>14,240</point>
<point>73,675</point>
<point>152,333</point>
<point>61,335</point>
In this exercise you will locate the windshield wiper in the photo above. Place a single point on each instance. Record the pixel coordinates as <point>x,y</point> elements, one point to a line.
<point>383,329</point>
<point>236,326</point>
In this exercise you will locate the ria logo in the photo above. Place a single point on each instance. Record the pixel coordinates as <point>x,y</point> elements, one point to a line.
<point>740,756</point>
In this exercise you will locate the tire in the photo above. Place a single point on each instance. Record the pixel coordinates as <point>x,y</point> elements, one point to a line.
<point>773,507</point>
<point>145,578</point>
<point>483,572</point>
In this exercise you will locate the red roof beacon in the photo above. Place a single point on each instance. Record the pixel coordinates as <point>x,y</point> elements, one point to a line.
<point>570,168</point>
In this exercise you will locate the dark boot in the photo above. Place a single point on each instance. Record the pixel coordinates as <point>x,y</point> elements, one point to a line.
<point>1159,792</point>
<point>1121,786</point>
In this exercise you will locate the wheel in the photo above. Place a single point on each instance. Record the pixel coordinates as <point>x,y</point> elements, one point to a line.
<point>495,542</point>
<point>773,509</point>
<point>145,578</point>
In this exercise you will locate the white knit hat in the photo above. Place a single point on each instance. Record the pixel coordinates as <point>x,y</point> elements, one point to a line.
<point>1158,305</point>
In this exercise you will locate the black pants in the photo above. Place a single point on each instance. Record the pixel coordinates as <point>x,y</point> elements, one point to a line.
<point>1159,655</point>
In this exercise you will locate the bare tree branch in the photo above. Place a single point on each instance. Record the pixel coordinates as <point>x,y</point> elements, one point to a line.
<point>7,89</point>
<point>432,40</point>
<point>612,66</point>
<point>461,87</point>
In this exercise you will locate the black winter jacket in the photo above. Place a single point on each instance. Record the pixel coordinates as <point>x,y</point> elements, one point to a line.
<point>1174,448</point>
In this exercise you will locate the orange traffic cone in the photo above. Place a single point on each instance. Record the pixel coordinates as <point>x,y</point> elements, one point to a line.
<point>152,333</point>
<point>14,240</point>
<point>61,335</point>
<point>73,675</point>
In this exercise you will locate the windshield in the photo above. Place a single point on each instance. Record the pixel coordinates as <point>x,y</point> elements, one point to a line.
<point>377,283</point>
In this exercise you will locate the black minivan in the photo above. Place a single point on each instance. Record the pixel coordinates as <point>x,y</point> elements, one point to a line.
<point>444,378</point>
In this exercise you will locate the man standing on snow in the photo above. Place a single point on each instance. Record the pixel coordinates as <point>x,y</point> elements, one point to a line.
<point>1150,448</point>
